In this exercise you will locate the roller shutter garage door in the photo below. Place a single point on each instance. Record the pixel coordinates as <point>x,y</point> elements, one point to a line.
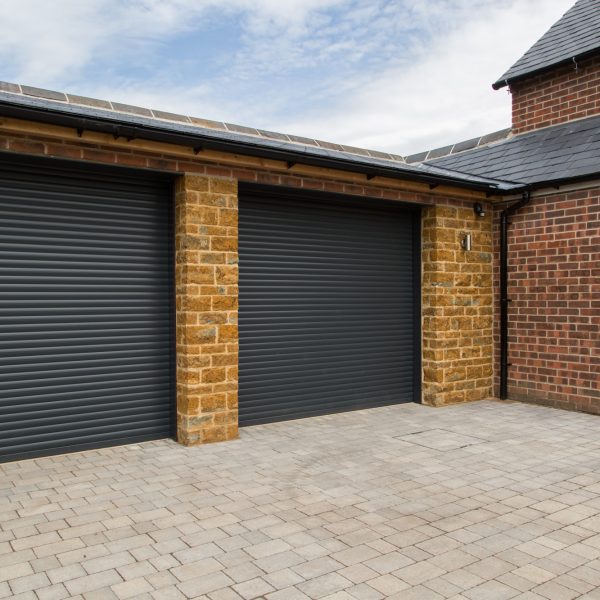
<point>86,351</point>
<point>329,309</point>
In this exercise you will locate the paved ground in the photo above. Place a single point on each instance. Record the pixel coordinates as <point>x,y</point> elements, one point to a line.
<point>484,501</point>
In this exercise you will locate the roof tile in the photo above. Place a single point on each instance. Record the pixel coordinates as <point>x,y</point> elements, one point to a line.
<point>466,145</point>
<point>354,150</point>
<point>134,110</point>
<point>207,123</point>
<point>384,155</point>
<point>328,145</point>
<point>168,116</point>
<point>544,155</point>
<point>420,157</point>
<point>302,140</point>
<point>273,135</point>
<point>241,129</point>
<point>85,101</point>
<point>10,87</point>
<point>42,93</point>
<point>397,158</point>
<point>440,151</point>
<point>495,136</point>
<point>576,33</point>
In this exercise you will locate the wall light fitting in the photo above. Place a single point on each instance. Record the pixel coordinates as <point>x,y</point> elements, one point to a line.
<point>479,210</point>
<point>466,242</point>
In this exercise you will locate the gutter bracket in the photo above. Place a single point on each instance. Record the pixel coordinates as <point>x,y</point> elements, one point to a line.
<point>129,133</point>
<point>81,128</point>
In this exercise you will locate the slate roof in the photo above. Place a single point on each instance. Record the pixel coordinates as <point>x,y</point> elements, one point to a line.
<point>16,100</point>
<point>576,34</point>
<point>561,152</point>
<point>478,142</point>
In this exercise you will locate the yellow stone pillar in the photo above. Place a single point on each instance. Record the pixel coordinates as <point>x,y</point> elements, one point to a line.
<point>206,273</point>
<point>457,306</point>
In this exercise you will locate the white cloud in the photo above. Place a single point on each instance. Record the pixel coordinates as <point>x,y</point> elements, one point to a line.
<point>43,42</point>
<point>398,75</point>
<point>444,95</point>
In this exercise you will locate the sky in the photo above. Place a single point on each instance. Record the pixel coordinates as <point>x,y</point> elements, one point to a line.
<point>393,75</point>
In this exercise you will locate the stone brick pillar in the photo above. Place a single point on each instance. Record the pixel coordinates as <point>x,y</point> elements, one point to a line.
<point>457,305</point>
<point>206,272</point>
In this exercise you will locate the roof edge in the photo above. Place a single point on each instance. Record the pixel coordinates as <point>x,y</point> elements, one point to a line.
<point>127,125</point>
<point>506,82</point>
<point>459,147</point>
<point>119,108</point>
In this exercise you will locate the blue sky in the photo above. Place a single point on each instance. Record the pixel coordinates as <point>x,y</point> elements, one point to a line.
<point>395,75</point>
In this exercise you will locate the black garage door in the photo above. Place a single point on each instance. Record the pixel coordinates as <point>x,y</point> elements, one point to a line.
<point>329,309</point>
<point>85,308</point>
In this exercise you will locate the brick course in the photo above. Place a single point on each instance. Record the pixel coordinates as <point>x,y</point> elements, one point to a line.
<point>557,96</point>
<point>554,316</point>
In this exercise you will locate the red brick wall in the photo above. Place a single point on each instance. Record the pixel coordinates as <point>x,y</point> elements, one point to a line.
<point>557,96</point>
<point>554,316</point>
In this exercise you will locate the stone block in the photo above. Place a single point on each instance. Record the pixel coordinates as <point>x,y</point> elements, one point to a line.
<point>456,284</point>
<point>206,290</point>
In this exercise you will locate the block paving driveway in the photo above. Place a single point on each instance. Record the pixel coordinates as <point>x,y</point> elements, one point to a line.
<point>482,501</point>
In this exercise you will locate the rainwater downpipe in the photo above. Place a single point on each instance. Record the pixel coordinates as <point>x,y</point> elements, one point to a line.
<point>504,299</point>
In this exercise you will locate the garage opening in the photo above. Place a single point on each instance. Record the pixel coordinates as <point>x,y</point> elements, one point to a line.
<point>86,307</point>
<point>329,315</point>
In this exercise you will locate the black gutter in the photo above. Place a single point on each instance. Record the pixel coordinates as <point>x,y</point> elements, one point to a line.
<point>504,299</point>
<point>556,184</point>
<point>135,127</point>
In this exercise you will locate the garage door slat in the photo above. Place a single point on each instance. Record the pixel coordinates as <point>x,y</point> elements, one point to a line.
<point>86,324</point>
<point>327,317</point>
<point>107,391</point>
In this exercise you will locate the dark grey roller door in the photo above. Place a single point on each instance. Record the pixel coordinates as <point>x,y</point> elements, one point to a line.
<point>85,307</point>
<point>329,310</point>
